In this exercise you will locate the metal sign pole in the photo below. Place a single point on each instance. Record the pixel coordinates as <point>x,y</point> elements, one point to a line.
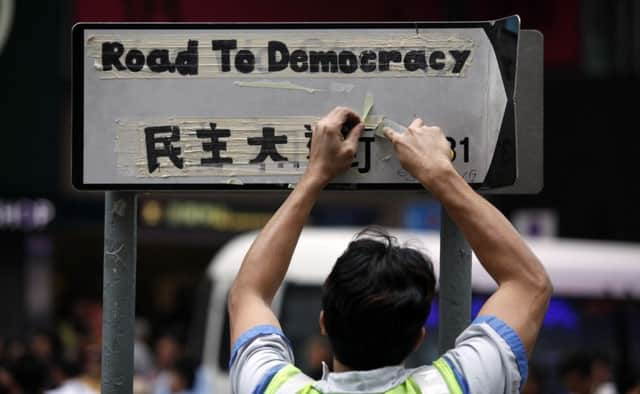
<point>455,283</point>
<point>119,290</point>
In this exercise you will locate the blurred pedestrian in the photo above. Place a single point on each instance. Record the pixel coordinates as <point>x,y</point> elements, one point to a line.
<point>534,381</point>
<point>584,373</point>
<point>183,376</point>
<point>142,355</point>
<point>168,350</point>
<point>31,374</point>
<point>7,384</point>
<point>88,382</point>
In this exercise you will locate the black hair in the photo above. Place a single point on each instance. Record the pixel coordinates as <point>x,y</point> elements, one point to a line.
<point>376,300</point>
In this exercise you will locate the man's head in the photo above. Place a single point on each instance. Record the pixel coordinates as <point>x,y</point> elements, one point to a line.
<point>376,301</point>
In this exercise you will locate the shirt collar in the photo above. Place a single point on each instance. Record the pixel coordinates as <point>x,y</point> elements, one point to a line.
<point>375,380</point>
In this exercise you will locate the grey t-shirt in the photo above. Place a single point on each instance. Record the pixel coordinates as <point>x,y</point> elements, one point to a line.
<point>488,358</point>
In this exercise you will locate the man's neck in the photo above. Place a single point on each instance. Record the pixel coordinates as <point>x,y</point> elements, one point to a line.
<point>339,367</point>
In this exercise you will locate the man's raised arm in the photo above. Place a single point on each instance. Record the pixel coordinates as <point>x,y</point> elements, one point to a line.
<point>267,261</point>
<point>524,287</point>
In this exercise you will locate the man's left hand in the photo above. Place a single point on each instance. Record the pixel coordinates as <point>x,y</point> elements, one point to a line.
<point>332,153</point>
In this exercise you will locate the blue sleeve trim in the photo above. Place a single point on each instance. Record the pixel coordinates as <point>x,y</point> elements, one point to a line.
<point>462,381</point>
<point>266,379</point>
<point>250,335</point>
<point>512,339</point>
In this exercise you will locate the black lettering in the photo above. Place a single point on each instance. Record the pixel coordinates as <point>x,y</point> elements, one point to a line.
<point>158,61</point>
<point>225,46</point>
<point>365,56</point>
<point>327,60</point>
<point>167,150</point>
<point>308,135</point>
<point>215,146</point>
<point>267,143</point>
<point>276,48</point>
<point>460,58</point>
<point>111,52</point>
<point>299,61</point>
<point>367,155</point>
<point>245,61</point>
<point>134,60</point>
<point>465,143</point>
<point>386,57</point>
<point>187,61</point>
<point>415,60</point>
<point>433,60</point>
<point>348,62</point>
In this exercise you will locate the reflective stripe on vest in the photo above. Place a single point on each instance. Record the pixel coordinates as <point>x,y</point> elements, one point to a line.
<point>281,379</point>
<point>448,375</point>
<point>438,379</point>
<point>431,381</point>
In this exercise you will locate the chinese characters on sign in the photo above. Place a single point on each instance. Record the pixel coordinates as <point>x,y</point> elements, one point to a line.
<point>234,147</point>
<point>164,141</point>
<point>225,147</point>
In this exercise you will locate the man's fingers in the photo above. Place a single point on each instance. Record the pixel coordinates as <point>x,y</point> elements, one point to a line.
<point>351,118</point>
<point>417,123</point>
<point>354,136</point>
<point>390,134</point>
<point>344,114</point>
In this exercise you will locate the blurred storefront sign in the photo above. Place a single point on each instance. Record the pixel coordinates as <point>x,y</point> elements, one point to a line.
<point>202,215</point>
<point>26,214</point>
<point>192,214</point>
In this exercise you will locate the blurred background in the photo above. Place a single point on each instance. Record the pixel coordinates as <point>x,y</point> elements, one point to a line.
<point>51,236</point>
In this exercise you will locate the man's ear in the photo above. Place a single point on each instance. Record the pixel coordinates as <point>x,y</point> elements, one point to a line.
<point>323,330</point>
<point>423,334</point>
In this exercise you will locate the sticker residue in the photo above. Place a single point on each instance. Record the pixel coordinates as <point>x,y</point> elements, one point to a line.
<point>368,105</point>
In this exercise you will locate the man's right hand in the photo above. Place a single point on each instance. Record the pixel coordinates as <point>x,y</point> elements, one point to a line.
<point>524,288</point>
<point>422,150</point>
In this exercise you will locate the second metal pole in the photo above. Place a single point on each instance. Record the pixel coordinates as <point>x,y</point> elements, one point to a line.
<point>455,283</point>
<point>119,292</point>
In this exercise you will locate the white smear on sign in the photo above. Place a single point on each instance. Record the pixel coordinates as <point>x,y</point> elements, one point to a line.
<point>276,85</point>
<point>341,87</point>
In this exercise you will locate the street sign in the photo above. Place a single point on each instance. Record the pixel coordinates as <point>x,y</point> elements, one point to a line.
<point>216,106</point>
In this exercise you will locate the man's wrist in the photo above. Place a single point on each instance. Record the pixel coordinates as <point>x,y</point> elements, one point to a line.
<point>312,182</point>
<point>439,179</point>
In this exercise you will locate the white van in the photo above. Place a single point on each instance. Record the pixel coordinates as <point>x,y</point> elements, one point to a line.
<point>586,269</point>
